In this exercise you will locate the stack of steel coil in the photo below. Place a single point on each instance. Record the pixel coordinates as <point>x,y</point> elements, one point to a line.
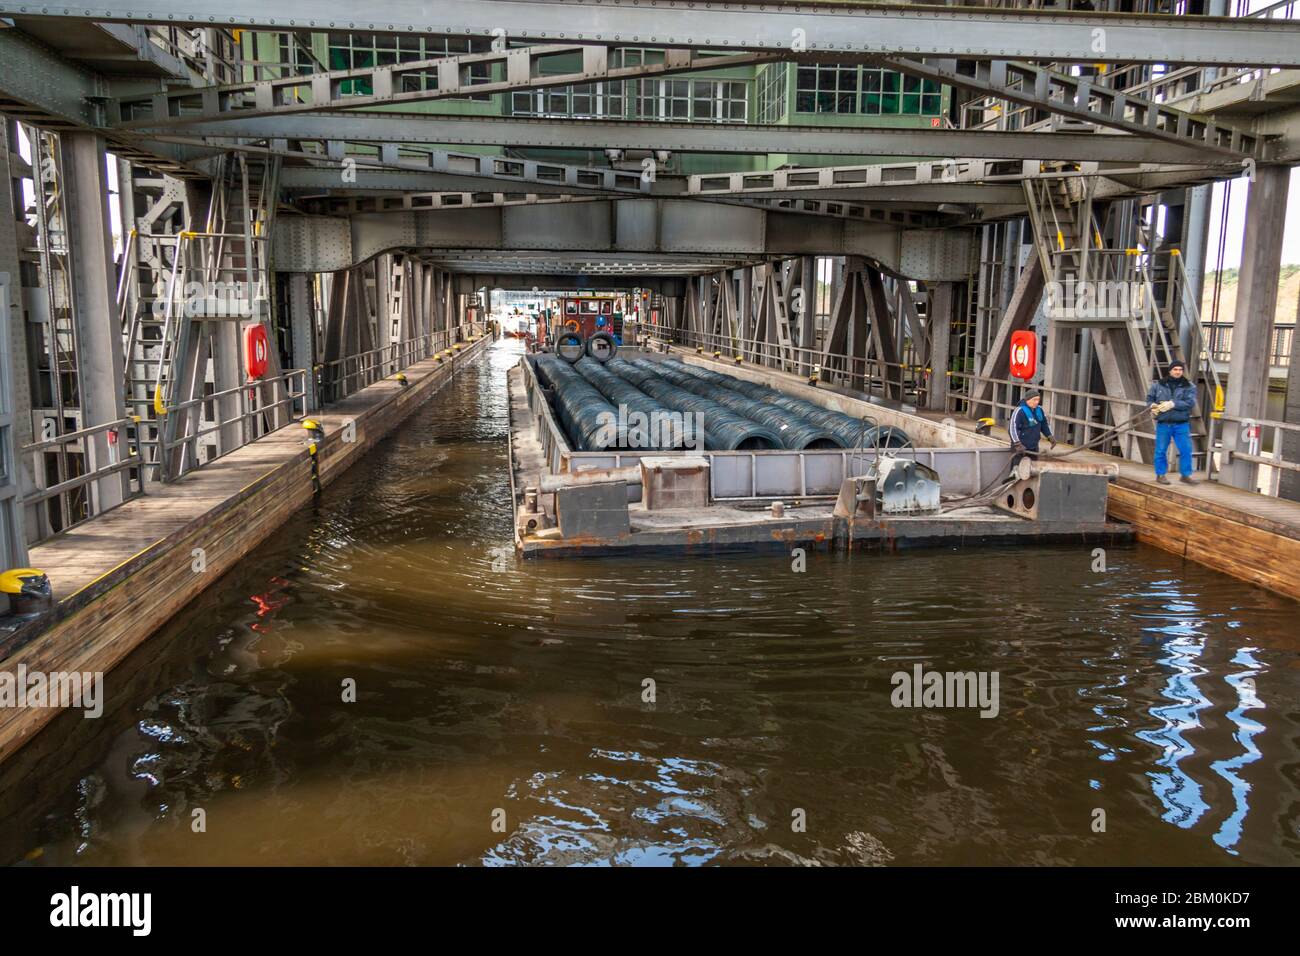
<point>849,431</point>
<point>796,431</point>
<point>587,417</point>
<point>662,428</point>
<point>724,430</point>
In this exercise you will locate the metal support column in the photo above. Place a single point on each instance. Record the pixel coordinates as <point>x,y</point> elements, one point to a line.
<point>100,360</point>
<point>1252,332</point>
<point>943,300</point>
<point>302,329</point>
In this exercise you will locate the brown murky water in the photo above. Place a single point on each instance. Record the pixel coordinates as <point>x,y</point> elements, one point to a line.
<point>490,691</point>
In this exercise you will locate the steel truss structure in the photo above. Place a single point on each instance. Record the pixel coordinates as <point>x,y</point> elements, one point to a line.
<point>360,214</point>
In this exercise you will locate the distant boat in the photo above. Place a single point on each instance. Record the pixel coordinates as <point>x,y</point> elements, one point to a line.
<point>518,326</point>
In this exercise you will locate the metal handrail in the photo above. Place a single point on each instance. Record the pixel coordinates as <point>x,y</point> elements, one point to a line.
<point>861,373</point>
<point>122,429</point>
<point>1276,460</point>
<point>366,368</point>
<point>293,402</point>
<point>1012,388</point>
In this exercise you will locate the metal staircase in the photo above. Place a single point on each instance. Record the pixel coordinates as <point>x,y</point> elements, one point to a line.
<point>179,288</point>
<point>1135,332</point>
<point>1087,291</point>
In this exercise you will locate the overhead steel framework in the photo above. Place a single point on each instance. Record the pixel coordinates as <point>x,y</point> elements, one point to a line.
<point>975,32</point>
<point>358,212</point>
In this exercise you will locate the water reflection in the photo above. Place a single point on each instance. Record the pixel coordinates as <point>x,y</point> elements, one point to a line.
<point>489,690</point>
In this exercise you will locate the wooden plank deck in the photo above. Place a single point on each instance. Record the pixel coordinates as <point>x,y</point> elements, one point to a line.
<point>122,575</point>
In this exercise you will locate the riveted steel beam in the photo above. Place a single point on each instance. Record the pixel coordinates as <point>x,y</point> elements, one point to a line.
<point>695,137</point>
<point>1080,99</point>
<point>523,68</point>
<point>961,32</point>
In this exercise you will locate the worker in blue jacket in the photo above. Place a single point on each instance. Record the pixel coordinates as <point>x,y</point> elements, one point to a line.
<point>1028,425</point>
<point>1172,400</point>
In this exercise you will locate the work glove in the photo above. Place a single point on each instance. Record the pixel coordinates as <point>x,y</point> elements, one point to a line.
<point>1164,407</point>
<point>1052,442</point>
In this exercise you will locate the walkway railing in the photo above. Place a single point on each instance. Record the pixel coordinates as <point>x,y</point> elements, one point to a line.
<point>340,378</point>
<point>1265,443</point>
<point>1003,396</point>
<point>71,499</point>
<point>909,383</point>
<point>263,406</point>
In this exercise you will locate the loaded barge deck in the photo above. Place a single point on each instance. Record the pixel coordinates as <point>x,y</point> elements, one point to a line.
<point>625,500</point>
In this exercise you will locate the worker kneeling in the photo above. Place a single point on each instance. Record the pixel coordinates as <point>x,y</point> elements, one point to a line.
<point>1172,399</point>
<point>1027,427</point>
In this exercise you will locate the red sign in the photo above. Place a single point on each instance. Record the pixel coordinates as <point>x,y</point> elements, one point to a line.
<point>1024,354</point>
<point>257,351</point>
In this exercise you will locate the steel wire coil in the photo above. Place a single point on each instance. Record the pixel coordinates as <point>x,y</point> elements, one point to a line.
<point>796,431</point>
<point>724,430</point>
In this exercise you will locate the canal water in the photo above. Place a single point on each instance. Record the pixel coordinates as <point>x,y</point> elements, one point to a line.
<point>1146,714</point>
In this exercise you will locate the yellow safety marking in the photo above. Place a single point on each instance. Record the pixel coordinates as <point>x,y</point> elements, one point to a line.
<point>158,406</point>
<point>11,582</point>
<point>1060,240</point>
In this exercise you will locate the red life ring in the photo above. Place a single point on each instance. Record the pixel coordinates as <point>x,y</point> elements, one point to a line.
<point>257,351</point>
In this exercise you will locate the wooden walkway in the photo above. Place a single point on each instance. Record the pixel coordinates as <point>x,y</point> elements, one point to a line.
<point>122,575</point>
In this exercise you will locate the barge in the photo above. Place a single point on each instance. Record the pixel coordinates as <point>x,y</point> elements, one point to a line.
<point>577,491</point>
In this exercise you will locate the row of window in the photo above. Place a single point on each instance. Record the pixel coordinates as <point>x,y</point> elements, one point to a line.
<point>716,101</point>
<point>865,90</point>
<point>773,82</point>
<point>349,51</point>
<point>822,88</point>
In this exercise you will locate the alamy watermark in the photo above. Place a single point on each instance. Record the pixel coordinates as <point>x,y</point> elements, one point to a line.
<point>1094,299</point>
<point>633,429</point>
<point>77,909</point>
<point>946,689</point>
<point>38,689</point>
<point>210,300</point>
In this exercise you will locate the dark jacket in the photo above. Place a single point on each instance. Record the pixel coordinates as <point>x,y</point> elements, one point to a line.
<point>1179,391</point>
<point>1027,425</point>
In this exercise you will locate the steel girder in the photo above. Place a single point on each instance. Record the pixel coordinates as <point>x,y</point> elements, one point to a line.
<point>325,90</point>
<point>695,138</point>
<point>471,281</point>
<point>1078,98</point>
<point>455,170</point>
<point>960,32</point>
<point>641,230</point>
<point>40,87</point>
